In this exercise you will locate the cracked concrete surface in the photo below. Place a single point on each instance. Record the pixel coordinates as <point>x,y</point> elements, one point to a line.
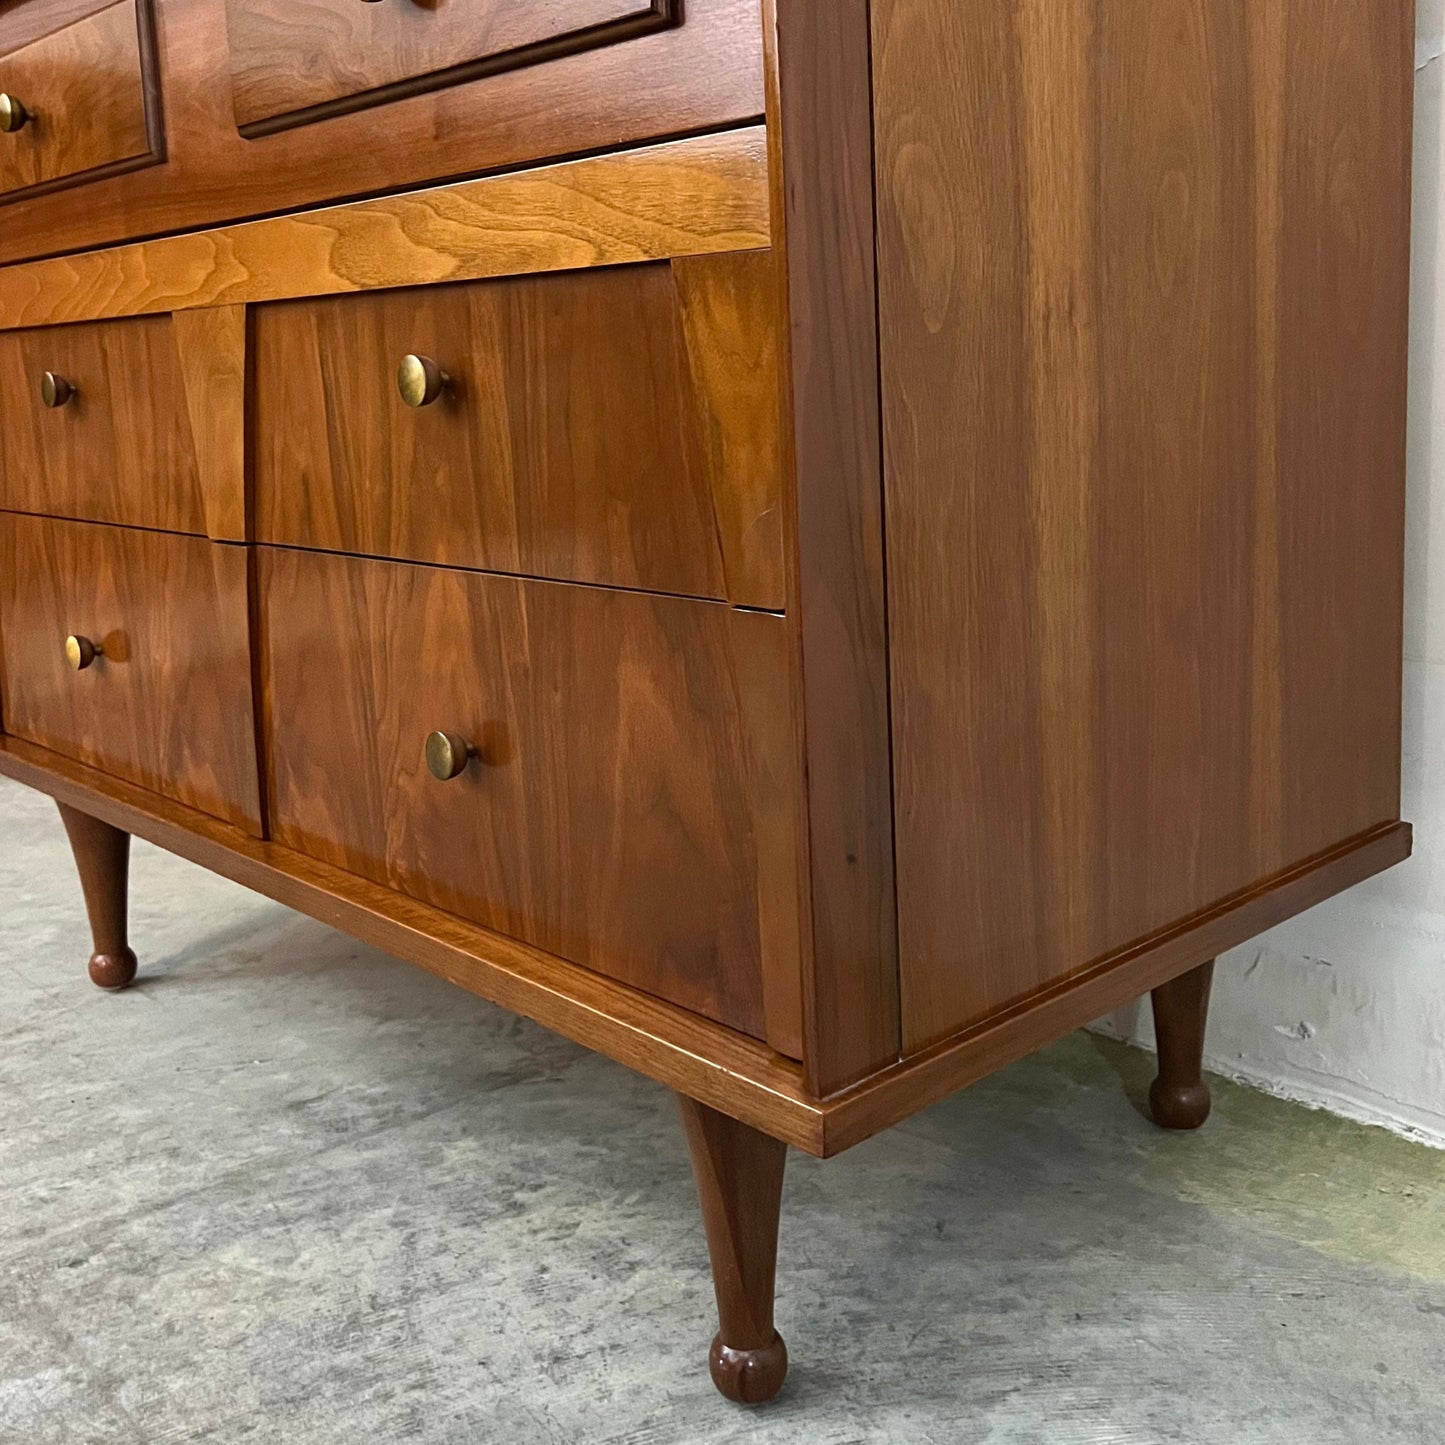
<point>290,1190</point>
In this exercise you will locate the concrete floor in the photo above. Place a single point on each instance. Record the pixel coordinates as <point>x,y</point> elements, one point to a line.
<point>289,1190</point>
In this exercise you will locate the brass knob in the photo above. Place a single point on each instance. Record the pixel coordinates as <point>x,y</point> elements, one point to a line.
<point>55,390</point>
<point>420,380</point>
<point>13,114</point>
<point>80,652</point>
<point>447,756</point>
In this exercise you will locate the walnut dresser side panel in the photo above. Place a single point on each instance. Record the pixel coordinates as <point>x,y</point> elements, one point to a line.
<point>1143,291</point>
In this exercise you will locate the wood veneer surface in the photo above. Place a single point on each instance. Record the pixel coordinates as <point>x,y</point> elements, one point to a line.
<point>823,219</point>
<point>702,196</point>
<point>702,75</point>
<point>1144,275</point>
<point>121,449</point>
<point>290,56</point>
<point>613,426</point>
<point>630,804</point>
<point>168,705</point>
<point>88,96</point>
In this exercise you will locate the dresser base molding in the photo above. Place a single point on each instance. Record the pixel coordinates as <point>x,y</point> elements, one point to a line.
<point>954,1063</point>
<point>725,1070</point>
<point>705,1061</point>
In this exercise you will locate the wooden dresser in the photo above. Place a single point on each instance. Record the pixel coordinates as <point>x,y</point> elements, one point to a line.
<point>811,546</point>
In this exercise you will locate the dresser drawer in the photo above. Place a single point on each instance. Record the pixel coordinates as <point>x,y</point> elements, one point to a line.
<point>615,426</point>
<point>165,701</point>
<point>111,440</point>
<point>78,103</point>
<point>295,60</point>
<point>630,803</point>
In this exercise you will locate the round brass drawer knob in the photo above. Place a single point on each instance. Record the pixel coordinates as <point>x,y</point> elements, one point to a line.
<point>13,114</point>
<point>447,756</point>
<point>55,390</point>
<point>80,652</point>
<point>420,380</point>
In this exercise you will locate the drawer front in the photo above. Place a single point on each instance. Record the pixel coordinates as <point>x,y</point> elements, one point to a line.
<point>118,447</point>
<point>616,426</point>
<point>630,803</point>
<point>296,60</point>
<point>166,702</point>
<point>80,103</point>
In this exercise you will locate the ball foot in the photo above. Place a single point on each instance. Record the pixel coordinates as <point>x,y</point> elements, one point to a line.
<point>749,1377</point>
<point>1179,1106</point>
<point>113,970</point>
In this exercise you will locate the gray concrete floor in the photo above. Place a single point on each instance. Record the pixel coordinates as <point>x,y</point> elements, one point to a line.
<point>290,1190</point>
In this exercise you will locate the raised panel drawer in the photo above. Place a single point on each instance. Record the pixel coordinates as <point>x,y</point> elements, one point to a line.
<point>297,60</point>
<point>118,447</point>
<point>166,700</point>
<point>615,426</point>
<point>79,103</point>
<point>630,802</point>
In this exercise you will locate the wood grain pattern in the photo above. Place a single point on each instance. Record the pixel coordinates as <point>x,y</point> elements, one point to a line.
<point>291,56</point>
<point>168,705</point>
<point>697,77</point>
<point>1143,295</point>
<point>739,1176</point>
<point>22,22</point>
<point>924,1078</point>
<point>121,449</point>
<point>732,323</point>
<point>727,1070</point>
<point>211,351</point>
<point>618,810</point>
<point>679,199</point>
<point>823,215</point>
<point>85,89</point>
<point>615,426</point>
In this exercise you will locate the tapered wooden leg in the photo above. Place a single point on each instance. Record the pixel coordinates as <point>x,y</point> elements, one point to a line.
<point>739,1175</point>
<point>1179,1098</point>
<point>102,856</point>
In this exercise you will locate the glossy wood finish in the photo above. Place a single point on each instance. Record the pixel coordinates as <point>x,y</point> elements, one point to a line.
<point>925,1078</point>
<point>823,218</point>
<point>695,197</point>
<point>121,448</point>
<point>102,858</point>
<point>631,801</point>
<point>211,349</point>
<point>739,1175</point>
<point>168,703</point>
<point>23,22</point>
<point>1108,330</point>
<point>724,1069</point>
<point>614,426</point>
<point>1179,1097</point>
<point>88,88</point>
<point>1143,291</point>
<point>703,75</point>
<point>299,60</point>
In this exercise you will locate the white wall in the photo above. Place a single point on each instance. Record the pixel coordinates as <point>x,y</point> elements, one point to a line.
<point>1345,1006</point>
